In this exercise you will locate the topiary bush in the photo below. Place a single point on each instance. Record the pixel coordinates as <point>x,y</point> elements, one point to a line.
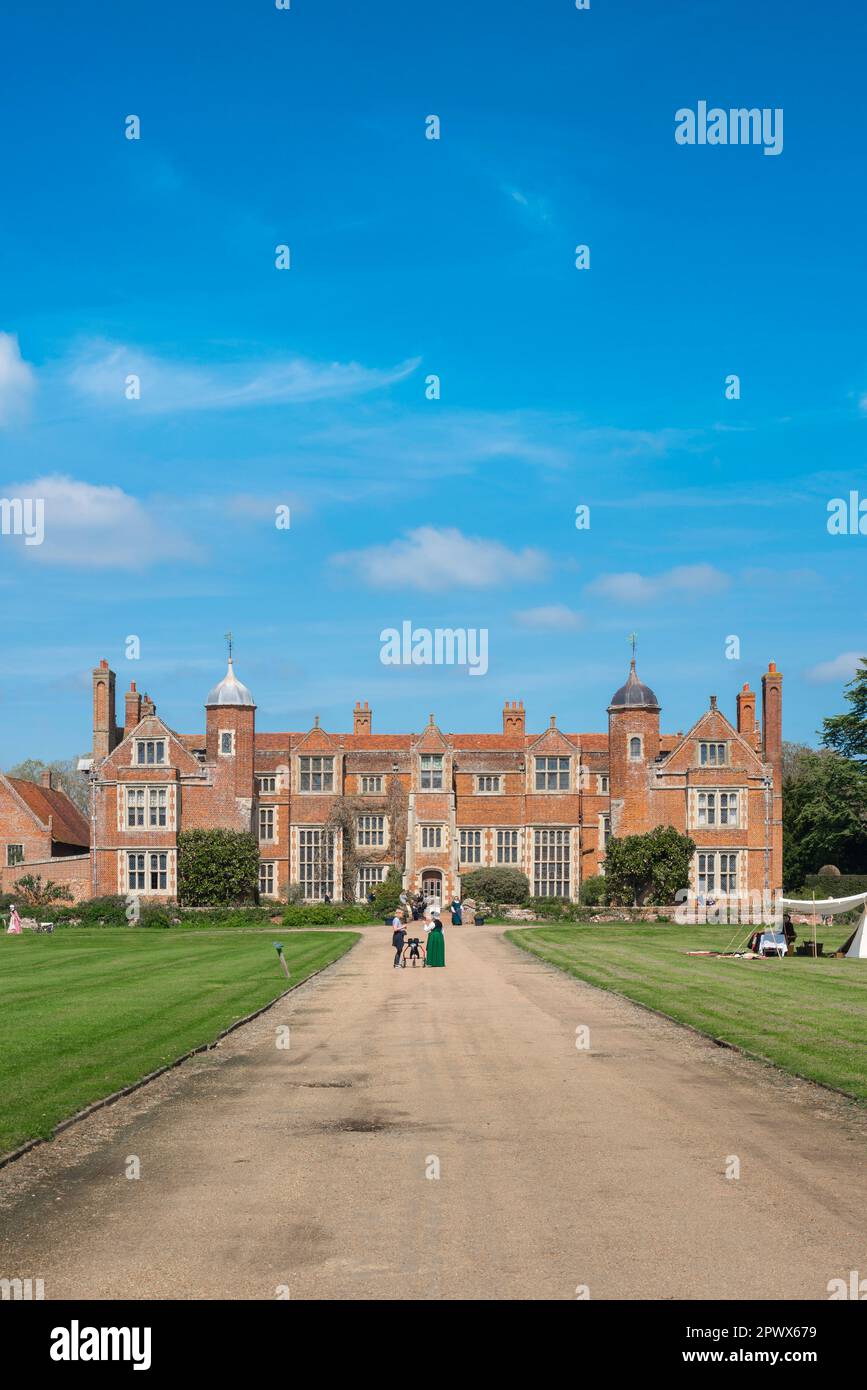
<point>496,886</point>
<point>216,867</point>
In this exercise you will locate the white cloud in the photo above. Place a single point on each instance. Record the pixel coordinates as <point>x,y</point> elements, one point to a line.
<point>552,617</point>
<point>98,373</point>
<point>432,559</point>
<point>17,380</point>
<point>841,668</point>
<point>630,587</point>
<point>89,526</point>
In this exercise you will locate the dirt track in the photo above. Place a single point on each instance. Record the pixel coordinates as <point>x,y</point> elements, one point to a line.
<point>306,1168</point>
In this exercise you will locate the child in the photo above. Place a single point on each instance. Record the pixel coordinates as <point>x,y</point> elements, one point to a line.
<point>398,937</point>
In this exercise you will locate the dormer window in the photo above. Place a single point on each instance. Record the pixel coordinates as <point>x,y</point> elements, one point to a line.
<point>317,774</point>
<point>431,772</point>
<point>150,752</point>
<point>552,774</point>
<point>227,743</point>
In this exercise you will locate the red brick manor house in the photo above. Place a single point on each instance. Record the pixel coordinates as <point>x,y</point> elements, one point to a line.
<point>437,804</point>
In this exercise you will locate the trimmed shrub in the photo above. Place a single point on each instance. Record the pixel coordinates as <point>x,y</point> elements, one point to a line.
<point>593,891</point>
<point>495,886</point>
<point>217,867</point>
<point>832,886</point>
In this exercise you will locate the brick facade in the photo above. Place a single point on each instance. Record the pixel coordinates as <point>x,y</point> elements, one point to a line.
<point>437,804</point>
<point>42,832</point>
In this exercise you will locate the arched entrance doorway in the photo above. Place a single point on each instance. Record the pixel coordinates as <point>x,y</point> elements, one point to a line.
<point>432,886</point>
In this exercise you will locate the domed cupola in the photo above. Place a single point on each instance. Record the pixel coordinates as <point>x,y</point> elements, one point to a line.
<point>229,691</point>
<point>634,695</point>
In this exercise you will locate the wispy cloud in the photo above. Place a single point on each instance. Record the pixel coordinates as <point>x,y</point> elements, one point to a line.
<point>433,559</point>
<point>840,669</point>
<point>460,441</point>
<point>688,580</point>
<point>98,527</point>
<point>17,380</point>
<point>98,372</point>
<point>534,206</point>
<point>551,617</point>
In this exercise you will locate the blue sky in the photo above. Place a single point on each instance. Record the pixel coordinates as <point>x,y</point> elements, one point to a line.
<point>409,256</point>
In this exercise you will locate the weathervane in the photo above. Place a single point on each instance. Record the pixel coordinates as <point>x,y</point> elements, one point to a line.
<point>633,637</point>
<point>228,637</point>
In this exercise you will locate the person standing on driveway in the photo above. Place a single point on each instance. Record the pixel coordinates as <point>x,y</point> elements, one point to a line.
<point>398,937</point>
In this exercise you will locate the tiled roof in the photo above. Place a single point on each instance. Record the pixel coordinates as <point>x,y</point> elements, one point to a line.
<point>68,825</point>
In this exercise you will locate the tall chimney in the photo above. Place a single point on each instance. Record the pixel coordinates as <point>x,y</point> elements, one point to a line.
<point>746,703</point>
<point>513,717</point>
<point>46,778</point>
<point>362,718</point>
<point>132,712</point>
<point>105,733</point>
<point>772,715</point>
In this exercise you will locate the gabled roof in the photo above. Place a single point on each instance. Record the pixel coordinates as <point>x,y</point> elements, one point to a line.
<point>68,825</point>
<point>717,725</point>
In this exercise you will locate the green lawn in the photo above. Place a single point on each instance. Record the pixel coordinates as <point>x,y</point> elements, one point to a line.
<point>85,1012</point>
<point>808,1016</point>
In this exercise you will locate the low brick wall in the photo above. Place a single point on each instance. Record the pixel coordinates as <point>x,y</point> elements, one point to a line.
<point>72,870</point>
<point>590,914</point>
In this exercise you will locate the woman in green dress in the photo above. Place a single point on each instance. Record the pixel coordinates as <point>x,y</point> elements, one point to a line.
<point>436,944</point>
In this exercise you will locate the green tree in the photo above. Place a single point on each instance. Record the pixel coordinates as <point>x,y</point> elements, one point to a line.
<point>847,733</point>
<point>387,894</point>
<point>216,867</point>
<point>824,816</point>
<point>648,868</point>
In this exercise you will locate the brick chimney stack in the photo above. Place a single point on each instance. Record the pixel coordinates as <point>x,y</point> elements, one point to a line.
<point>147,706</point>
<point>132,712</point>
<point>513,717</point>
<point>105,731</point>
<point>772,715</point>
<point>746,703</point>
<point>46,778</point>
<point>362,718</point>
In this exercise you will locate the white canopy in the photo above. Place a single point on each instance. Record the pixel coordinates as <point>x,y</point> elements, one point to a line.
<point>856,947</point>
<point>825,904</point>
